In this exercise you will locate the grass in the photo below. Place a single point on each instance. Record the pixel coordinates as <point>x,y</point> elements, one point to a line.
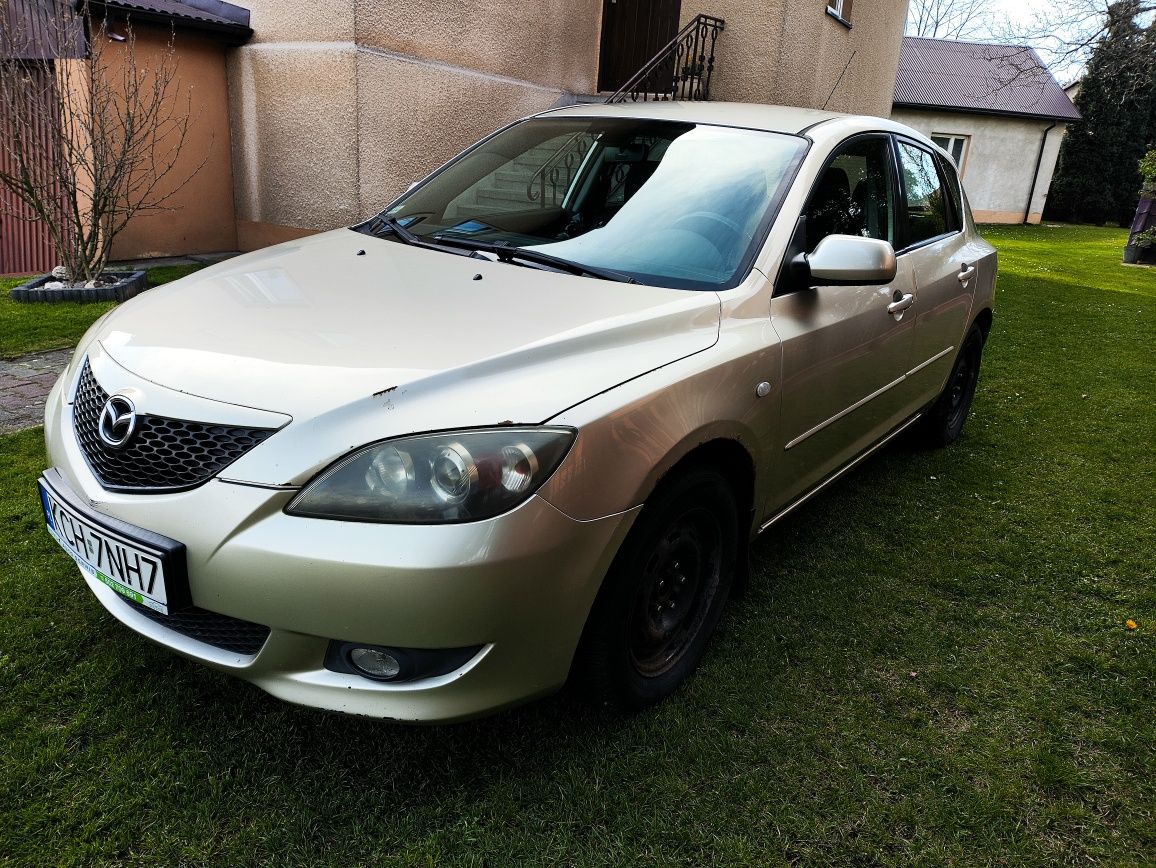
<point>932,666</point>
<point>33,328</point>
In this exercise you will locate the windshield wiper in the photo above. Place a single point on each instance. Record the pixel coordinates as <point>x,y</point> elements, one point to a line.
<point>506,252</point>
<point>383,222</point>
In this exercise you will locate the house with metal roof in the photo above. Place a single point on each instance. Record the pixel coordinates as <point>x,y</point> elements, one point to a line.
<point>997,110</point>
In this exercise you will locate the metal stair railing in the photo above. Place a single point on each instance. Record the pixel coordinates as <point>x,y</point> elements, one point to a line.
<point>550,183</point>
<point>681,70</point>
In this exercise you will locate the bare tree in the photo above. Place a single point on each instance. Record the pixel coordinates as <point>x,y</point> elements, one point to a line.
<point>1007,60</point>
<point>949,19</point>
<point>1058,36</point>
<point>1064,34</point>
<point>91,134</point>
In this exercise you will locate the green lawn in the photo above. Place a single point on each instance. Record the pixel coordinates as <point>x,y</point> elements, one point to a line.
<point>932,666</point>
<point>31,328</point>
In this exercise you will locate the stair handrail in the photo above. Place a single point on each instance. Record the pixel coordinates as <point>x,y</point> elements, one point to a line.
<point>692,60</point>
<point>565,155</point>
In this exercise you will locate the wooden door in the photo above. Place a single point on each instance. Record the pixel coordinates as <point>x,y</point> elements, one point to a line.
<point>633,31</point>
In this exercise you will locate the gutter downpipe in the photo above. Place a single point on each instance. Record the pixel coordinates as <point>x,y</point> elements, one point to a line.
<point>1036,176</point>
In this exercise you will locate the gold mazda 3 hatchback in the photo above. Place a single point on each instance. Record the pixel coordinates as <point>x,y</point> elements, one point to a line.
<point>520,427</point>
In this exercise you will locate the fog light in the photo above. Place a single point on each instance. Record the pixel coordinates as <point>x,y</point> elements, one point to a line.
<point>395,665</point>
<point>375,663</point>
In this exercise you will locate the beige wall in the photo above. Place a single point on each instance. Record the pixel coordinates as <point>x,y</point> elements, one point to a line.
<point>403,103</point>
<point>548,42</point>
<point>337,107</point>
<point>1001,156</point>
<point>791,52</point>
<point>200,216</point>
<point>295,134</point>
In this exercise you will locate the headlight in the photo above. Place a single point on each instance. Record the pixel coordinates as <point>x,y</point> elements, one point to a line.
<point>436,478</point>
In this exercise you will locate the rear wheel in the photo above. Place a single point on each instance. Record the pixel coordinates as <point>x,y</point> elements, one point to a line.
<point>664,594</point>
<point>944,421</point>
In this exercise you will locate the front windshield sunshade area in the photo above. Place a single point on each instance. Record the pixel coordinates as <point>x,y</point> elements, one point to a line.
<point>669,204</point>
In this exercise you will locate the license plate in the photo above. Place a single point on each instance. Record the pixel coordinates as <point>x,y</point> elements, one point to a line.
<point>138,564</point>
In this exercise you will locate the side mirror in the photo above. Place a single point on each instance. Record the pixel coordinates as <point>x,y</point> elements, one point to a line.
<point>850,260</point>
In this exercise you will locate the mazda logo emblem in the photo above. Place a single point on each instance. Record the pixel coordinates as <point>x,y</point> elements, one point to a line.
<point>117,421</point>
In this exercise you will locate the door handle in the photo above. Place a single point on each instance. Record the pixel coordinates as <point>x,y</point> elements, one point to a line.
<point>901,303</point>
<point>966,273</point>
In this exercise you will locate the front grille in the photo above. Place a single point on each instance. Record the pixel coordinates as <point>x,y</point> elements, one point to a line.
<point>162,454</point>
<point>220,631</point>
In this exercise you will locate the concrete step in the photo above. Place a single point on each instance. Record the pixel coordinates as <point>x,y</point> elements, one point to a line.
<point>499,198</point>
<point>508,184</point>
<point>511,180</point>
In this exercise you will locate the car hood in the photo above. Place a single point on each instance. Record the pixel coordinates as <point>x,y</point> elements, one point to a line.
<point>340,318</point>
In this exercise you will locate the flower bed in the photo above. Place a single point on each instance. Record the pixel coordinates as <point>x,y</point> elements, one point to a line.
<point>126,285</point>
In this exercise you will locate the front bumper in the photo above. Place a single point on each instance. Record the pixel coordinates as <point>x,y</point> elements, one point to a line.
<point>519,585</point>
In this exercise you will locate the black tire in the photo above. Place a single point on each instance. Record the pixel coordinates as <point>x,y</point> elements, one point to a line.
<point>663,596</point>
<point>944,421</point>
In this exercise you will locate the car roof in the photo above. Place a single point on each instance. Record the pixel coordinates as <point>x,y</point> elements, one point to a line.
<point>772,118</point>
<point>829,127</point>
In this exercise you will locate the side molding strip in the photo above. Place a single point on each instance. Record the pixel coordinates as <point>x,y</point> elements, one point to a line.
<point>863,401</point>
<point>930,361</point>
<point>804,498</point>
<point>845,411</point>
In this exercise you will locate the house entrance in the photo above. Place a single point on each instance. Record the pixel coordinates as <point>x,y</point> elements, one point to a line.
<point>633,31</point>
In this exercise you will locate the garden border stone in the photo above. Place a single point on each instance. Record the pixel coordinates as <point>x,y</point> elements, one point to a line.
<point>131,283</point>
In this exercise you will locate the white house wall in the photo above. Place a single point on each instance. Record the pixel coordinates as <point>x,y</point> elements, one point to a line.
<point>1000,159</point>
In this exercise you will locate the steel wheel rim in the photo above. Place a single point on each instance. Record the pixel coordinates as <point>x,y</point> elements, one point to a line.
<point>679,581</point>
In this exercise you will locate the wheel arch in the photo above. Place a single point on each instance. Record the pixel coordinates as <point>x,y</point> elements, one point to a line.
<point>984,320</point>
<point>736,464</point>
<point>731,459</point>
<point>595,652</point>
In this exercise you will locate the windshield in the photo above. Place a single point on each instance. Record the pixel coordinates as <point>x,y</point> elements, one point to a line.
<point>669,204</point>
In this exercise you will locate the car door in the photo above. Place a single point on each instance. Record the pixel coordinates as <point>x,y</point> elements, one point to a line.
<point>945,263</point>
<point>845,348</point>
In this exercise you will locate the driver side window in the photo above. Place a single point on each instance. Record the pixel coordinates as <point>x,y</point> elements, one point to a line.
<point>855,195</point>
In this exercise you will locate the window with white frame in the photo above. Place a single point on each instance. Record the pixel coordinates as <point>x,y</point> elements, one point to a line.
<point>955,145</point>
<point>840,9</point>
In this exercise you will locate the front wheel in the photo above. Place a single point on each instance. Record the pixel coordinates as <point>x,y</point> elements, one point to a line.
<point>664,594</point>
<point>944,421</point>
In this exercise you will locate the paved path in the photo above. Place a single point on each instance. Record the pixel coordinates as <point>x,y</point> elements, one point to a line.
<point>25,381</point>
<point>24,384</point>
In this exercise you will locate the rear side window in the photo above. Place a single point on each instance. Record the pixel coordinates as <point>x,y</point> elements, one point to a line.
<point>928,212</point>
<point>955,193</point>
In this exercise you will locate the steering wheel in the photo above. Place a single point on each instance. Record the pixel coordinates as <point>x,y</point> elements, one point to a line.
<point>721,241</point>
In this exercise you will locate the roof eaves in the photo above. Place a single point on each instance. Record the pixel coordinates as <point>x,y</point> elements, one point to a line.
<point>968,110</point>
<point>205,16</point>
<point>968,42</point>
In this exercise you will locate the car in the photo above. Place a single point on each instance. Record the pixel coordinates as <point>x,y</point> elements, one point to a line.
<point>519,429</point>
